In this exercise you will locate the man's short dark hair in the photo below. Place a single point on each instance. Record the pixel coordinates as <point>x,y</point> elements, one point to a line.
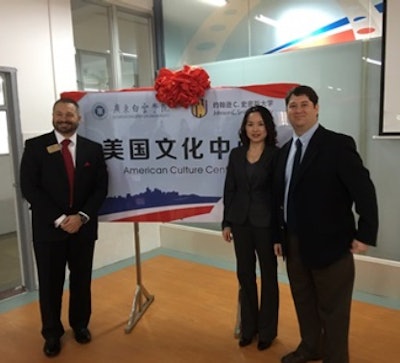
<point>67,100</point>
<point>302,90</point>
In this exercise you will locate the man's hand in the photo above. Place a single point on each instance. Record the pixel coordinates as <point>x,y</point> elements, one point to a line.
<point>71,223</point>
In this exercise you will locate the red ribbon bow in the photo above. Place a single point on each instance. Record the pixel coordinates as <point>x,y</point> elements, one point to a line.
<point>181,88</point>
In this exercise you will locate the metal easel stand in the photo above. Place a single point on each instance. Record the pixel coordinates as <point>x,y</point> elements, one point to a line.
<point>142,298</point>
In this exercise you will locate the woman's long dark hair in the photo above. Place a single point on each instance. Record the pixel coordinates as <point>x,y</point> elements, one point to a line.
<point>268,122</point>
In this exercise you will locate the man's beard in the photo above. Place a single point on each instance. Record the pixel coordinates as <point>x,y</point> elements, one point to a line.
<point>65,127</point>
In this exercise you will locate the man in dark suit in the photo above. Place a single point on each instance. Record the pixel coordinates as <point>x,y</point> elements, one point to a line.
<point>318,232</point>
<point>64,219</point>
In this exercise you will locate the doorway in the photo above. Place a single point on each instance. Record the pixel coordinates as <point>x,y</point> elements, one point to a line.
<point>16,259</point>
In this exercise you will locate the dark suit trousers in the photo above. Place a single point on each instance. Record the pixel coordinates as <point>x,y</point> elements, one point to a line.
<point>52,259</point>
<point>322,299</point>
<point>250,241</point>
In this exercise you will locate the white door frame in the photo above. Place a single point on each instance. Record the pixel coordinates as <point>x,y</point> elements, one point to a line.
<point>24,232</point>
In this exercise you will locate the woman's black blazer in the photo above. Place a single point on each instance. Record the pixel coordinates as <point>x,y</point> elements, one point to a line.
<point>244,199</point>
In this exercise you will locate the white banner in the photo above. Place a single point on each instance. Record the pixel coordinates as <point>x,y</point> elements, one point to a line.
<point>169,164</point>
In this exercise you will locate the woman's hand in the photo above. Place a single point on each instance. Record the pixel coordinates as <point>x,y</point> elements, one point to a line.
<point>358,247</point>
<point>227,234</point>
<point>278,249</point>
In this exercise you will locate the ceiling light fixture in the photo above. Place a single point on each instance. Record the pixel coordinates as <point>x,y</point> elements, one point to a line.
<point>128,55</point>
<point>266,20</point>
<point>219,3</point>
<point>372,61</point>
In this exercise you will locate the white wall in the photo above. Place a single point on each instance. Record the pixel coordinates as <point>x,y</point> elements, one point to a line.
<point>374,276</point>
<point>116,242</point>
<point>36,38</point>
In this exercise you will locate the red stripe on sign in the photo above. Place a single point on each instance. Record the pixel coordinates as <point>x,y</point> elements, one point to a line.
<point>277,90</point>
<point>74,95</point>
<point>167,215</point>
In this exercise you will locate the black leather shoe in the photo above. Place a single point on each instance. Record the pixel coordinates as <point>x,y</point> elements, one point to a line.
<point>82,336</point>
<point>263,344</point>
<point>52,347</point>
<point>297,357</point>
<point>243,342</point>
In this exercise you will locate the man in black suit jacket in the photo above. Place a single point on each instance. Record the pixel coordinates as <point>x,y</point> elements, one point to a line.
<point>64,220</point>
<point>318,232</point>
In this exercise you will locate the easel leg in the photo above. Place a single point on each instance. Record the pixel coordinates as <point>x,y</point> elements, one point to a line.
<point>142,298</point>
<point>138,307</point>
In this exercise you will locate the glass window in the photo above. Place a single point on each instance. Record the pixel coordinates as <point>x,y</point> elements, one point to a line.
<point>1,91</point>
<point>201,33</point>
<point>135,44</point>
<point>93,70</point>
<point>92,43</point>
<point>114,47</point>
<point>3,134</point>
<point>3,121</point>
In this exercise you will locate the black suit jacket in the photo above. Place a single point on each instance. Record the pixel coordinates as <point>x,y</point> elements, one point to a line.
<point>330,181</point>
<point>44,184</point>
<point>244,199</point>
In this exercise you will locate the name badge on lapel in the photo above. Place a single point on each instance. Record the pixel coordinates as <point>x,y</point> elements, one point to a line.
<point>53,148</point>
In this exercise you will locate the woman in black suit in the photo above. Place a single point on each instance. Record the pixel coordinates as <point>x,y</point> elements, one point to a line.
<point>247,221</point>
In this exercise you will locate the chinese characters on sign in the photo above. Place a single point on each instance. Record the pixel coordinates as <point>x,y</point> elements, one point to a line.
<point>189,148</point>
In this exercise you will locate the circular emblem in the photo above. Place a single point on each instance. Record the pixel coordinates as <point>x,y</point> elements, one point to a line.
<point>99,111</point>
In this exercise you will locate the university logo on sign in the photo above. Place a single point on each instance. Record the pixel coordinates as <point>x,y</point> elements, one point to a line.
<point>199,110</point>
<point>99,110</point>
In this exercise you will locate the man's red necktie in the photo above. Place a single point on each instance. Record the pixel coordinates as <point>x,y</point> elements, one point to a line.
<point>69,166</point>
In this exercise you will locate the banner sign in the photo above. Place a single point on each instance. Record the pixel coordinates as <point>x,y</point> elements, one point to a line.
<point>169,164</point>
